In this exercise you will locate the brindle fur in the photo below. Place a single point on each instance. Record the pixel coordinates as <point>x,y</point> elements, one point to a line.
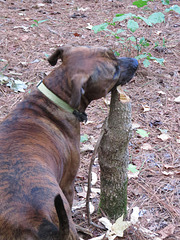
<point>39,147</point>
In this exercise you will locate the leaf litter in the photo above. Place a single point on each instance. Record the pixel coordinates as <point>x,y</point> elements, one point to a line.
<point>149,191</point>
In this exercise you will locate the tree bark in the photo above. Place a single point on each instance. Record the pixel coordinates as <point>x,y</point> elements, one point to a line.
<point>113,156</point>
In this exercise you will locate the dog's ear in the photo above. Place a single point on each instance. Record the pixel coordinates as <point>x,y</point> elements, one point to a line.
<point>55,56</point>
<point>58,54</point>
<point>77,82</point>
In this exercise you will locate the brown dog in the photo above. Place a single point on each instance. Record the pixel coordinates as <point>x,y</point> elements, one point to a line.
<point>39,143</point>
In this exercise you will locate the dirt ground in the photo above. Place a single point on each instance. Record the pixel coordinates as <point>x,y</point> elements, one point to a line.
<point>23,55</point>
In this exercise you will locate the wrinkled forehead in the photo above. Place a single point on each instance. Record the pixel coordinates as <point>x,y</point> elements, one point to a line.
<point>88,59</point>
<point>83,53</point>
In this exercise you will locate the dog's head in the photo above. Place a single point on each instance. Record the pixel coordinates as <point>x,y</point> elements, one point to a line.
<point>92,72</point>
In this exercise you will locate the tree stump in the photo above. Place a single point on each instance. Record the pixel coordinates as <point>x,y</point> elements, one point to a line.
<point>113,156</point>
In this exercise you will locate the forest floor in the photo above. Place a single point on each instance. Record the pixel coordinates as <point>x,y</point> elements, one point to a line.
<point>153,91</point>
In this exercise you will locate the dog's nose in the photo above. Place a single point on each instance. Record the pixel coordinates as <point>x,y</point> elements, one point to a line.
<point>128,67</point>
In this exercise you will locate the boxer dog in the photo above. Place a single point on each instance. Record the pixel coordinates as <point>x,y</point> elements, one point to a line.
<point>39,143</point>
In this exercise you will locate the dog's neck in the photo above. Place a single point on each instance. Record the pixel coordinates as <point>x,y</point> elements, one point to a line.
<point>58,96</point>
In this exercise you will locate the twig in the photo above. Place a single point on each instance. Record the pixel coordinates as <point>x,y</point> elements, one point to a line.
<point>89,177</point>
<point>83,230</point>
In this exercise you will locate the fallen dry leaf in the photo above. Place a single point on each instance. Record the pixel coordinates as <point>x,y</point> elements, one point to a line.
<point>146,146</point>
<point>164,136</point>
<point>170,173</point>
<point>87,147</point>
<point>161,93</point>
<point>105,222</point>
<point>89,26</point>
<point>133,175</point>
<point>146,108</point>
<point>177,100</point>
<point>98,238</point>
<point>118,228</point>
<point>94,178</point>
<point>135,215</point>
<point>135,125</point>
<point>167,166</point>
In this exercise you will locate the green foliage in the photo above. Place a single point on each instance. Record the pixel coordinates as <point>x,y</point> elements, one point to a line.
<point>36,24</point>
<point>132,168</point>
<point>139,43</point>
<point>142,133</point>
<point>100,27</point>
<point>84,138</point>
<point>175,8</point>
<point>165,2</point>
<point>132,25</point>
<point>140,3</point>
<point>157,17</point>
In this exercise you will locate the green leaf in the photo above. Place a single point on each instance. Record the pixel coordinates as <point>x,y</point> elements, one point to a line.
<point>100,27</point>
<point>163,130</point>
<point>132,25</point>
<point>142,133</point>
<point>34,25</point>
<point>46,55</point>
<point>158,60</point>
<point>157,17</point>
<point>141,56</point>
<point>132,39</point>
<point>84,138</point>
<point>122,17</point>
<point>36,21</point>
<point>41,21</point>
<point>175,8</point>
<point>146,63</point>
<point>16,85</point>
<point>120,31</point>
<point>144,19</point>
<point>143,42</point>
<point>117,54</point>
<point>132,168</point>
<point>156,44</point>
<point>165,2</point>
<point>140,3</point>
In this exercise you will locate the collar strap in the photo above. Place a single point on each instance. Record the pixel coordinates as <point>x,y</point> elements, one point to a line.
<point>60,103</point>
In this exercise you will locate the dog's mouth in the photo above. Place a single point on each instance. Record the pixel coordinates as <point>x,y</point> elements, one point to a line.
<point>128,67</point>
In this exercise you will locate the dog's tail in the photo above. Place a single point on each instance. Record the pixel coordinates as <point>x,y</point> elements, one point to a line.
<point>62,216</point>
<point>48,230</point>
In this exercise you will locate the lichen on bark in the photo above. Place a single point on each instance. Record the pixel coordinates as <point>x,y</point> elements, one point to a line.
<point>113,157</point>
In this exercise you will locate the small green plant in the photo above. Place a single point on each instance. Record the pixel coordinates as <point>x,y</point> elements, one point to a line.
<point>133,41</point>
<point>84,138</point>
<point>36,24</point>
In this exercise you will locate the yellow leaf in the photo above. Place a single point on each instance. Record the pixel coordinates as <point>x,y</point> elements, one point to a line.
<point>119,226</point>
